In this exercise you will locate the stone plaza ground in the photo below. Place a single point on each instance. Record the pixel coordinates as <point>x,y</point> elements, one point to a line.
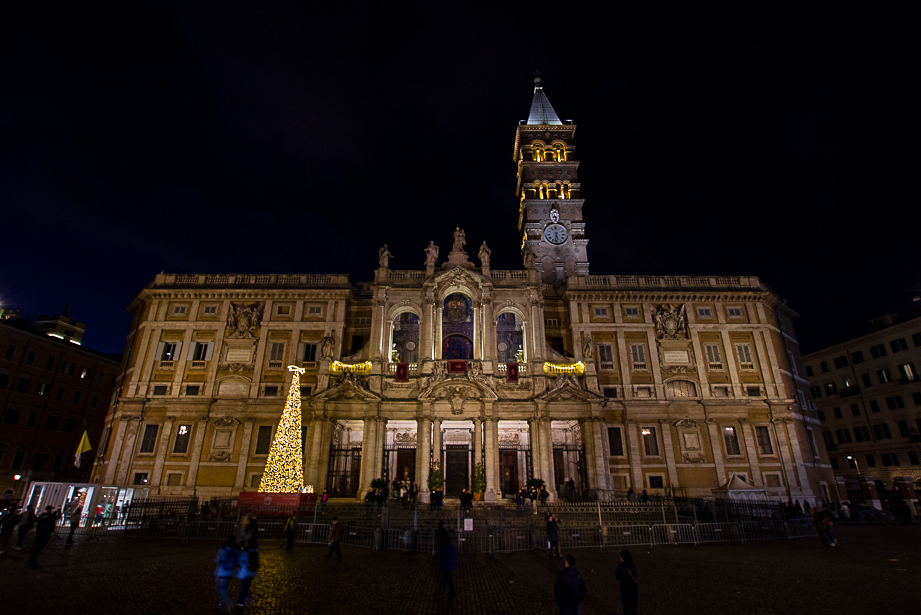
<point>872,570</point>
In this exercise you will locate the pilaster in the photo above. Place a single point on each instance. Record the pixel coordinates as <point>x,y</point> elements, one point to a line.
<point>749,437</point>
<point>239,483</point>
<point>717,449</point>
<point>200,428</point>
<point>423,457</point>
<point>162,451</point>
<point>666,429</point>
<point>636,460</point>
<point>131,443</point>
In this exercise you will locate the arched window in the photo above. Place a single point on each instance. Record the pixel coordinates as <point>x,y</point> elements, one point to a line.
<point>680,388</point>
<point>509,338</point>
<point>457,327</point>
<point>404,345</point>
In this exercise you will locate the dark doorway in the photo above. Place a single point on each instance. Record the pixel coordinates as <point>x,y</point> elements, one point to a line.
<point>509,472</point>
<point>456,470</point>
<point>570,463</point>
<point>343,473</point>
<point>406,465</point>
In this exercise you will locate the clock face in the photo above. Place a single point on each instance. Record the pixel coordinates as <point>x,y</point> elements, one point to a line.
<point>556,234</point>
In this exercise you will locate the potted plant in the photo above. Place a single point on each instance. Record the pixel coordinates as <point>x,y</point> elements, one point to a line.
<point>436,477</point>
<point>379,484</point>
<point>479,481</point>
<point>534,482</point>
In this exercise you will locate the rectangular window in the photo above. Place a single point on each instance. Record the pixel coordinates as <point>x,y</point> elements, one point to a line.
<point>821,414</point>
<point>731,438</point>
<point>867,381</point>
<point>283,310</point>
<point>650,444</point>
<point>10,351</point>
<point>753,390</point>
<point>837,412</point>
<point>277,354</point>
<point>802,399</point>
<point>306,352</point>
<point>271,391</point>
<point>844,436</point>
<point>150,438</point>
<point>704,312</point>
<point>834,462</point>
<point>890,459</point>
<point>638,354</point>
<point>161,389</point>
<point>883,376</point>
<point>809,371</point>
<point>903,428</point>
<point>51,422</point>
<point>22,386</point>
<point>763,435</point>
<point>101,377</point>
<point>858,435</point>
<point>855,409</point>
<point>12,416</point>
<point>168,351</point>
<point>916,397</point>
<point>913,458</point>
<point>881,431</point>
<point>178,310</point>
<point>201,351</point>
<point>606,356</point>
<point>315,311</point>
<point>30,358</point>
<point>714,356</point>
<point>878,351</point>
<point>871,462</point>
<point>864,432</point>
<point>192,389</point>
<point>824,366</point>
<point>70,425</point>
<point>907,372</point>
<point>4,379</point>
<point>93,401</point>
<point>633,312</point>
<point>816,392</point>
<point>78,395</point>
<point>735,312</point>
<point>140,478</point>
<point>857,357</point>
<point>210,310</point>
<point>615,442</point>
<point>840,362</point>
<point>42,389</point>
<point>105,440</point>
<point>18,458</point>
<point>772,481</point>
<point>792,360</point>
<point>306,391</point>
<point>609,392</point>
<point>552,322</point>
<point>899,345</point>
<point>895,402</point>
<point>264,440</point>
<point>33,418</point>
<point>60,394</point>
<point>744,352</point>
<point>84,372</point>
<point>874,405</point>
<point>656,482</point>
<point>815,451</point>
<point>601,312</point>
<point>183,433</point>
<point>362,321</point>
<point>916,338</point>
<point>831,388</point>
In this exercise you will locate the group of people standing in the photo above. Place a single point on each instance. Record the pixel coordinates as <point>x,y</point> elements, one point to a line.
<point>25,520</point>
<point>533,494</point>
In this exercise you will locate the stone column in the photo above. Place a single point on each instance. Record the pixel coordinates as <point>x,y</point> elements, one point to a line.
<point>200,429</point>
<point>423,457</point>
<point>492,460</point>
<point>367,446</point>
<point>717,448</point>
<point>131,443</point>
<point>749,437</point>
<point>311,476</point>
<point>162,452</point>
<point>380,439</point>
<point>239,483</point>
<point>546,442</point>
<point>636,460</point>
<point>477,334</point>
<point>425,332</point>
<point>114,459</point>
<point>478,441</point>
<point>534,439</point>
<point>668,449</point>
<point>437,453</point>
<point>439,312</point>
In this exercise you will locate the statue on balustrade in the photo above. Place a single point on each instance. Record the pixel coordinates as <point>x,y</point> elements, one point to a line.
<point>431,254</point>
<point>384,256</point>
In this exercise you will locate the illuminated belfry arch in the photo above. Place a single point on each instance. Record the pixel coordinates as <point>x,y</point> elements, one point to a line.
<point>550,206</point>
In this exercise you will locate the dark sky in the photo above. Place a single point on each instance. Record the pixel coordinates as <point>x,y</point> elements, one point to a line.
<point>270,137</point>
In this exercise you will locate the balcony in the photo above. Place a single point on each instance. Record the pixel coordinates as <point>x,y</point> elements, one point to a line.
<point>166,365</point>
<point>198,364</point>
<point>503,367</point>
<point>274,365</point>
<point>309,365</point>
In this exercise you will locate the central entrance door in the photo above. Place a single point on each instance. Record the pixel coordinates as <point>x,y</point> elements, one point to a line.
<point>509,472</point>
<point>456,470</point>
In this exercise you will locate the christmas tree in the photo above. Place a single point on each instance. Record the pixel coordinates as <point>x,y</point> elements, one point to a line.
<point>284,470</point>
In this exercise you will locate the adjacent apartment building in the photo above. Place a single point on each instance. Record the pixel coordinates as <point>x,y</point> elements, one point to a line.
<point>867,394</point>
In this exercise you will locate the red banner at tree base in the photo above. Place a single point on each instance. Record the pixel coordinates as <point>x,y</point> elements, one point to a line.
<point>273,504</point>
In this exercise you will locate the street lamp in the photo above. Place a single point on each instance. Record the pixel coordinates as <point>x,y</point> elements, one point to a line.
<point>853,459</point>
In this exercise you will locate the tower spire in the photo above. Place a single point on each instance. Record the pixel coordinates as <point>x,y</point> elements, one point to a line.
<point>542,113</point>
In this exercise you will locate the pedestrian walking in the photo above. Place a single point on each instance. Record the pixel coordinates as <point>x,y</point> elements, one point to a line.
<point>381,498</point>
<point>8,521</point>
<point>246,572</point>
<point>225,569</point>
<point>291,529</point>
<point>413,492</point>
<point>629,589</point>
<point>532,494</point>
<point>844,510</point>
<point>404,496</point>
<point>829,522</point>
<point>631,495</point>
<point>25,524</point>
<point>544,496</point>
<point>569,590</point>
<point>335,537</point>
<point>447,555</point>
<point>74,523</point>
<point>645,497</point>
<point>553,536</point>
<point>441,535</point>
<point>44,528</point>
<point>324,498</point>
<point>819,523</point>
<point>519,501</point>
<point>369,501</point>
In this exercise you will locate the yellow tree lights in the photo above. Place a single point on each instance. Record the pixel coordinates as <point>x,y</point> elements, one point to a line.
<point>284,470</point>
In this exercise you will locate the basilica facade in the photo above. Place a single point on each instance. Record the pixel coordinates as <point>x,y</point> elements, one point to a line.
<point>672,384</point>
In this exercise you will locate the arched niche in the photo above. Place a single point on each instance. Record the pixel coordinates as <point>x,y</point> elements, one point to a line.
<point>511,344</point>
<point>405,329</point>
<point>457,326</point>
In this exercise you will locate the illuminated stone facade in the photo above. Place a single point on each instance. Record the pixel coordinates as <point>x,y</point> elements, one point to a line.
<point>668,384</point>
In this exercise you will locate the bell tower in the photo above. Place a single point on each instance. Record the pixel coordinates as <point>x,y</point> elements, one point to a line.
<point>550,210</point>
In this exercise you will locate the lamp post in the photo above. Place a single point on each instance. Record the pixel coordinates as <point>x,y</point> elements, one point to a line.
<point>856,466</point>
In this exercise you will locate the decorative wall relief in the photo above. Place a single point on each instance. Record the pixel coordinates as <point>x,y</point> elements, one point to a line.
<point>405,436</point>
<point>219,456</point>
<point>691,444</point>
<point>671,321</point>
<point>225,421</point>
<point>244,318</point>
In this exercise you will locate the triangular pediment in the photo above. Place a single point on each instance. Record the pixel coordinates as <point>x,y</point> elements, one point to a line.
<point>568,388</point>
<point>459,276</point>
<point>348,389</point>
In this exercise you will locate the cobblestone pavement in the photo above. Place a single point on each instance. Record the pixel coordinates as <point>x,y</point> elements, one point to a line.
<point>873,570</point>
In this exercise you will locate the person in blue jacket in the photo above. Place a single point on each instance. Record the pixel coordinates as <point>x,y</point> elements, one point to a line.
<point>249,565</point>
<point>225,569</point>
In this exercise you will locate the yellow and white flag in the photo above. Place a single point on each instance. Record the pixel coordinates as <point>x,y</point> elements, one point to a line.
<point>84,446</point>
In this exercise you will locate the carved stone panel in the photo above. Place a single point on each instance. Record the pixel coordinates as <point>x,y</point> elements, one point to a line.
<point>690,439</point>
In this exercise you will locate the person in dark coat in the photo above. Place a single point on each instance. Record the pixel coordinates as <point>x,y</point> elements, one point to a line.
<point>569,590</point>
<point>25,525</point>
<point>45,525</point>
<point>335,537</point>
<point>447,556</point>
<point>74,523</point>
<point>629,590</point>
<point>225,569</point>
<point>369,501</point>
<point>553,536</point>
<point>8,522</point>
<point>441,536</point>
<point>248,567</point>
<point>290,530</point>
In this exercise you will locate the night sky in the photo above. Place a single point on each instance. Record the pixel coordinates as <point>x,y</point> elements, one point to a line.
<point>273,138</point>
